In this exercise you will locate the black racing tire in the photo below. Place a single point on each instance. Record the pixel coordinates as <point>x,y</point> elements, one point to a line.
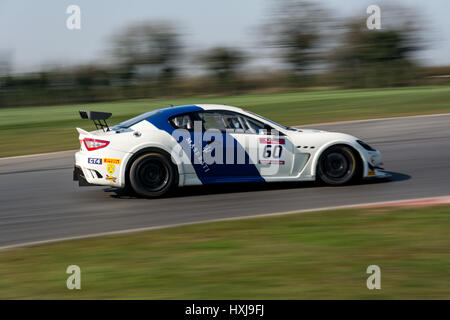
<point>153,175</point>
<point>338,165</point>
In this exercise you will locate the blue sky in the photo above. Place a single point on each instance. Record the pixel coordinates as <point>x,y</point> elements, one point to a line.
<point>34,33</point>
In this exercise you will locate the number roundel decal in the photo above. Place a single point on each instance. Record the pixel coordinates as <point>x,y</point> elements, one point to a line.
<point>271,151</point>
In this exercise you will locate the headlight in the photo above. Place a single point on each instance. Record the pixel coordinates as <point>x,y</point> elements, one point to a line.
<point>365,145</point>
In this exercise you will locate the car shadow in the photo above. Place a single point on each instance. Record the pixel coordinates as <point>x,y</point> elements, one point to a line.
<point>230,188</point>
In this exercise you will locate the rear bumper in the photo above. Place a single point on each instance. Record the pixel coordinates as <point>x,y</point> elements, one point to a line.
<point>79,176</point>
<point>99,169</point>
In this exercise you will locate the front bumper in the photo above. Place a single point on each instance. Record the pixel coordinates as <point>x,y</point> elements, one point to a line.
<point>374,167</point>
<point>376,171</point>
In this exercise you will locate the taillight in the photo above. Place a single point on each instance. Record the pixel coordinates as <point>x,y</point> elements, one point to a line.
<point>94,144</point>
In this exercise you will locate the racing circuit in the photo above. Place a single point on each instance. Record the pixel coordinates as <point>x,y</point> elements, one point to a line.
<point>39,201</point>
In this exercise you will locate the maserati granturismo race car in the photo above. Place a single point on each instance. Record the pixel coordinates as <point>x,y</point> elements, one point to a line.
<point>205,144</point>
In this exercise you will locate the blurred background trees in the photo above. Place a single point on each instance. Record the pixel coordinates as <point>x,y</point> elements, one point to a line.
<point>224,64</point>
<point>149,60</point>
<point>297,29</point>
<point>146,52</point>
<point>381,58</point>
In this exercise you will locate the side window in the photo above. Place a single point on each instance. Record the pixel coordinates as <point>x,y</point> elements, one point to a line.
<point>212,120</point>
<point>182,122</point>
<point>255,126</point>
<point>232,122</point>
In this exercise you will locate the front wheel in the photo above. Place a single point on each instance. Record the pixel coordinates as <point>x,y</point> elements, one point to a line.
<point>152,175</point>
<point>338,165</point>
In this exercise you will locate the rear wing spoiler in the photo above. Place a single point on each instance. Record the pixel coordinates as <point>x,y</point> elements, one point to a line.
<point>99,118</point>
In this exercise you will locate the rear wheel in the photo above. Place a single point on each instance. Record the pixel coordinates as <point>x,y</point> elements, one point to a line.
<point>152,175</point>
<point>338,165</point>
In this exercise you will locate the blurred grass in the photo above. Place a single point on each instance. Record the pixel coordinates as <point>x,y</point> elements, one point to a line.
<point>321,255</point>
<point>30,130</point>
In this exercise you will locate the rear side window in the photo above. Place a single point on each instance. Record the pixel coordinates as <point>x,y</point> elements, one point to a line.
<point>182,122</point>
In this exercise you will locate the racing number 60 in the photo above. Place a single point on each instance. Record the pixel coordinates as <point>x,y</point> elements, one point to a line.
<point>275,153</point>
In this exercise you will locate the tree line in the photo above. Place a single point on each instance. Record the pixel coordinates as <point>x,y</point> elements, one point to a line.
<point>314,49</point>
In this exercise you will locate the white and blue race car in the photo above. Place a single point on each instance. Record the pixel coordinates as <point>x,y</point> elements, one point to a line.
<point>209,144</point>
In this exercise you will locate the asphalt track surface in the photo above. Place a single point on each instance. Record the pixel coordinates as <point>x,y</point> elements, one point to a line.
<point>39,201</point>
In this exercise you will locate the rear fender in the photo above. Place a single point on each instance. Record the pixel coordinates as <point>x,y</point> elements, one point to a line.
<point>150,147</point>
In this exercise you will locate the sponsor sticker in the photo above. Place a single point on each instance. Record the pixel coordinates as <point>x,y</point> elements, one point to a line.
<point>94,160</point>
<point>271,161</point>
<point>271,141</point>
<point>111,178</point>
<point>371,174</point>
<point>111,161</point>
<point>110,168</point>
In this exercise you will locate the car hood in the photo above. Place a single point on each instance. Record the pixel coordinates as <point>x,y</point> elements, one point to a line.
<point>317,137</point>
<point>309,130</point>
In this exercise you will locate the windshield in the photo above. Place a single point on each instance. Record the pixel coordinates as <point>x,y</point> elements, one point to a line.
<point>271,121</point>
<point>131,122</point>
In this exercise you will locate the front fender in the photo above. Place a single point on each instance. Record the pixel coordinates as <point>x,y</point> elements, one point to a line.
<point>354,146</point>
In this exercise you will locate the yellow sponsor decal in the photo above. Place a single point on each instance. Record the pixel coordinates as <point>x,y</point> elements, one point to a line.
<point>111,178</point>
<point>112,161</point>
<point>371,173</point>
<point>110,168</point>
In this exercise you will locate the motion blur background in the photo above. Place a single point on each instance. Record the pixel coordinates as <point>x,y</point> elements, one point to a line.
<point>295,62</point>
<point>153,49</point>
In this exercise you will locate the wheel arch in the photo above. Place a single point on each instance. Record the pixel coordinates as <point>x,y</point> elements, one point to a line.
<point>149,149</point>
<point>359,158</point>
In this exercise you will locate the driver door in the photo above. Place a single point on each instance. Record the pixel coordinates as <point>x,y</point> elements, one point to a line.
<point>270,151</point>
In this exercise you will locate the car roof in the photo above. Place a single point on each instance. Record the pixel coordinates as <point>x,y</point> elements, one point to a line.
<point>179,110</point>
<point>219,107</point>
<point>196,107</point>
<point>182,108</point>
<point>159,117</point>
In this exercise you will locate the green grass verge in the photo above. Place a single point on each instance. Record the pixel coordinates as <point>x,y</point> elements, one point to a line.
<point>31,130</point>
<point>317,255</point>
